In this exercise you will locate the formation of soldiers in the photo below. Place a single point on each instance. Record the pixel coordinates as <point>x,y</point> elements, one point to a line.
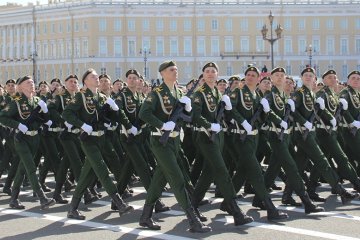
<point>212,131</point>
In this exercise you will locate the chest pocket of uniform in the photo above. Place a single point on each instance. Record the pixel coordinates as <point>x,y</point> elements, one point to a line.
<point>279,103</point>
<point>246,100</point>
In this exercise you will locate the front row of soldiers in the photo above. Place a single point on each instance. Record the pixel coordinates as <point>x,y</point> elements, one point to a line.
<point>107,131</point>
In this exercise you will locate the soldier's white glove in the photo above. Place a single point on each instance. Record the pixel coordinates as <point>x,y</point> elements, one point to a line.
<point>215,127</point>
<point>168,126</point>
<point>87,128</point>
<point>43,106</point>
<point>333,122</point>
<point>107,125</point>
<point>247,126</point>
<point>187,101</point>
<point>68,125</point>
<point>265,103</point>
<point>133,130</point>
<point>321,102</point>
<point>112,104</point>
<point>344,103</point>
<point>356,124</point>
<point>284,125</point>
<point>23,128</point>
<point>308,125</point>
<point>291,104</point>
<point>49,123</point>
<point>226,100</point>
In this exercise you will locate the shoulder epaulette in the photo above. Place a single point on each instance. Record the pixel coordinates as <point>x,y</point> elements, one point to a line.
<point>301,89</point>
<point>158,89</point>
<point>16,97</point>
<point>83,90</point>
<point>200,89</point>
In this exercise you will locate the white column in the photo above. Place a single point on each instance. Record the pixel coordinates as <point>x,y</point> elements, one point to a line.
<point>18,47</point>
<point>26,39</point>
<point>11,50</point>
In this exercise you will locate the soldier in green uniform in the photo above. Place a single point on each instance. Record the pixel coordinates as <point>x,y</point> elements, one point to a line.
<point>281,157</point>
<point>351,117</point>
<point>16,115</point>
<point>305,100</point>
<point>85,112</point>
<point>156,111</point>
<point>245,104</point>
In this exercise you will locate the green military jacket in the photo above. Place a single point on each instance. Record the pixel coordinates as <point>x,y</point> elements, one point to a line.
<point>304,100</point>
<point>352,96</point>
<point>86,108</point>
<point>244,105</point>
<point>331,102</point>
<point>18,111</point>
<point>57,105</point>
<point>158,106</point>
<point>5,100</point>
<point>205,105</point>
<point>277,103</point>
<point>130,103</point>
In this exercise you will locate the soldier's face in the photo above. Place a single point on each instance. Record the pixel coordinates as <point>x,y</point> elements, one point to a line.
<point>308,79</point>
<point>289,86</point>
<point>10,88</point>
<point>170,74</point>
<point>330,80</point>
<point>44,88</point>
<point>251,78</point>
<point>54,85</point>
<point>210,75</point>
<point>222,86</point>
<point>105,84</point>
<point>278,78</point>
<point>27,86</point>
<point>117,86</point>
<point>265,85</point>
<point>354,81</point>
<point>92,80</point>
<point>132,80</point>
<point>71,84</point>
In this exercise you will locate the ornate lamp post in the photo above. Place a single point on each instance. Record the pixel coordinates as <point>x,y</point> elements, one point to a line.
<point>309,49</point>
<point>271,40</point>
<point>145,52</point>
<point>33,59</point>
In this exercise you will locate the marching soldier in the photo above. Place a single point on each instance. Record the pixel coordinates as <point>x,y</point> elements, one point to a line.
<point>85,112</point>
<point>305,101</point>
<point>22,114</point>
<point>156,111</point>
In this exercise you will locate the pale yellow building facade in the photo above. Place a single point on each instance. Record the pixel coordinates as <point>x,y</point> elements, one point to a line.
<point>61,38</point>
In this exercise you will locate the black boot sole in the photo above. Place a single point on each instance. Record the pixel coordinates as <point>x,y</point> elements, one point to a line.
<point>52,202</point>
<point>126,210</point>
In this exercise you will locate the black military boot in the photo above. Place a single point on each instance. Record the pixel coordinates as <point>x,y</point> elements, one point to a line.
<point>122,206</point>
<point>45,202</point>
<point>346,196</point>
<point>42,183</point>
<point>311,189</point>
<point>146,220</point>
<point>195,224</point>
<point>14,201</point>
<point>356,185</point>
<point>73,211</point>
<point>248,189</point>
<point>240,218</point>
<point>95,193</point>
<point>195,203</point>
<point>7,186</point>
<point>68,185</point>
<point>89,198</point>
<point>57,194</point>
<point>161,207</point>
<point>258,203</point>
<point>287,198</point>
<point>310,207</point>
<point>272,212</point>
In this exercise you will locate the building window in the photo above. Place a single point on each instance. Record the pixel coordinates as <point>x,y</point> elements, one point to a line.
<point>187,25</point>
<point>60,28</point>
<point>53,28</point>
<point>103,70</point>
<point>260,44</point>
<point>174,49</point>
<point>102,47</point>
<point>131,25</point>
<point>117,25</point>
<point>188,46</point>
<point>200,46</point>
<point>159,25</point>
<point>85,47</point>
<point>288,70</point>
<point>131,47</point>
<point>173,25</point>
<point>117,48</point>
<point>117,72</point>
<point>357,24</point>
<point>146,25</point>
<point>259,24</point>
<point>301,24</point>
<point>344,71</point>
<point>215,48</point>
<point>316,24</point>
<point>46,51</point>
<point>287,24</point>
<point>201,25</point>
<point>187,71</point>
<point>288,46</point>
<point>102,25</point>
<point>244,44</point>
<point>77,28</point>
<point>302,46</point>
<point>244,25</point>
<point>159,47</point>
<point>357,45</point>
<point>68,26</point>
<point>229,45</point>
<point>316,45</point>
<point>330,24</point>
<point>214,25</point>
<point>344,46</point>
<point>146,44</point>
<point>344,24</point>
<point>85,26</point>
<point>228,24</point>
<point>45,28</point>
<point>330,46</point>
<point>229,70</point>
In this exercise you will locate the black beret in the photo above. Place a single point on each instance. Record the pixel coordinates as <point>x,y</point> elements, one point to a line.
<point>210,64</point>
<point>166,64</point>
<point>117,80</point>
<point>105,76</point>
<point>23,79</point>
<point>86,73</point>
<point>265,78</point>
<point>10,81</point>
<point>71,76</point>
<point>132,71</point>
<point>328,72</point>
<point>290,78</point>
<point>43,82</point>
<point>56,80</point>
<point>242,80</point>
<point>278,69</point>
<point>221,81</point>
<point>353,72</point>
<point>308,69</point>
<point>234,78</point>
<point>252,68</point>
